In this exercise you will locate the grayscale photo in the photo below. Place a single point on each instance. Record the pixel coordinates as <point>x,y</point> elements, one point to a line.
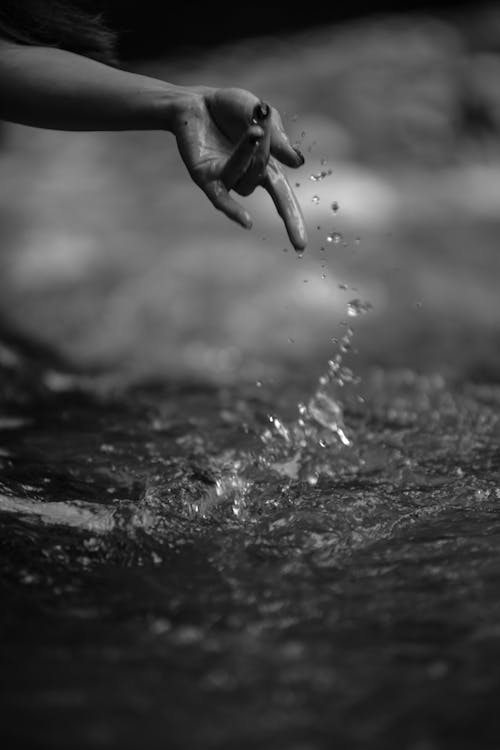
<point>249,375</point>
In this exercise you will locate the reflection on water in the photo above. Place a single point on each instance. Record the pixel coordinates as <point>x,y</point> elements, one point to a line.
<point>204,566</point>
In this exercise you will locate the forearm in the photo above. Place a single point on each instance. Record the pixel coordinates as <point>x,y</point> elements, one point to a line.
<point>52,88</point>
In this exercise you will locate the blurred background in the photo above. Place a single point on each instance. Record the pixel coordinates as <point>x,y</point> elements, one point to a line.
<point>110,255</point>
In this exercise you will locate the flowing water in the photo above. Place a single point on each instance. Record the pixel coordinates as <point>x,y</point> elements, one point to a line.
<point>254,566</point>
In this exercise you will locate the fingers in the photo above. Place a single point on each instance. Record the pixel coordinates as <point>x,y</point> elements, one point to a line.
<point>281,147</point>
<point>241,158</point>
<point>286,204</point>
<point>257,169</point>
<point>262,116</point>
<point>217,193</point>
<point>232,110</point>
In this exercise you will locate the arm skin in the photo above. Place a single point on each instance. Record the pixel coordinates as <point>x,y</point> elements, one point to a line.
<point>220,139</point>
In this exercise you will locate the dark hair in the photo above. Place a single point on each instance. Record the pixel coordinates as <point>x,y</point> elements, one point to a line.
<point>73,26</point>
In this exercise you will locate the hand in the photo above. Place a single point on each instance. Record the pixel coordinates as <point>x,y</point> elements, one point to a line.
<point>209,125</point>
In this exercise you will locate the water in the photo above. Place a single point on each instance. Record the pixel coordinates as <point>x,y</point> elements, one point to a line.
<point>278,566</point>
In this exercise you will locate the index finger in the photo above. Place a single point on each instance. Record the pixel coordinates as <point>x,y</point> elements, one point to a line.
<point>286,204</point>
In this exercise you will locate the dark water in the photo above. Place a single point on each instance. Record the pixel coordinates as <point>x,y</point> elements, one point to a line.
<point>178,570</point>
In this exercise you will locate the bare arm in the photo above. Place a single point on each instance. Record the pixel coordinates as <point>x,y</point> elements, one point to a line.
<point>47,87</point>
<point>51,88</point>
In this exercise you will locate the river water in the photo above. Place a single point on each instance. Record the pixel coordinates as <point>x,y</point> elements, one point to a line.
<point>185,565</point>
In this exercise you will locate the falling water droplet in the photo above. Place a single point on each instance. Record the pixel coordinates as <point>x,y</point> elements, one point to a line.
<point>357,240</point>
<point>323,161</point>
<point>300,256</point>
<point>323,275</point>
<point>315,199</point>
<point>290,340</point>
<point>343,286</point>
<point>297,184</point>
<point>258,383</point>
<point>335,207</point>
<point>285,249</point>
<point>334,237</point>
<point>318,176</point>
<point>357,307</point>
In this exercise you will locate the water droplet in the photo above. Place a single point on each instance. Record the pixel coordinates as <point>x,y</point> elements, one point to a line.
<point>312,479</point>
<point>258,383</point>
<point>334,237</point>
<point>318,227</point>
<point>322,249</point>
<point>323,275</point>
<point>297,184</point>
<point>335,207</point>
<point>323,161</point>
<point>315,199</point>
<point>305,281</point>
<point>357,307</point>
<point>285,249</point>
<point>418,305</point>
<point>318,176</point>
<point>343,286</point>
<point>357,240</point>
<point>300,256</point>
<point>291,341</point>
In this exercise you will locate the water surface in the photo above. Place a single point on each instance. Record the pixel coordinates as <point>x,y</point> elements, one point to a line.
<point>185,566</point>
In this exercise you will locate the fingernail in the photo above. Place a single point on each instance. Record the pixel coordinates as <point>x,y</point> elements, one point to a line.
<point>261,111</point>
<point>300,155</point>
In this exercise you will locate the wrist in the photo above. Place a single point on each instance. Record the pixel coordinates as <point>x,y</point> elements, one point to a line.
<point>173,105</point>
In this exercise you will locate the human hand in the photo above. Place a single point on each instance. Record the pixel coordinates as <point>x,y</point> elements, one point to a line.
<point>208,127</point>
